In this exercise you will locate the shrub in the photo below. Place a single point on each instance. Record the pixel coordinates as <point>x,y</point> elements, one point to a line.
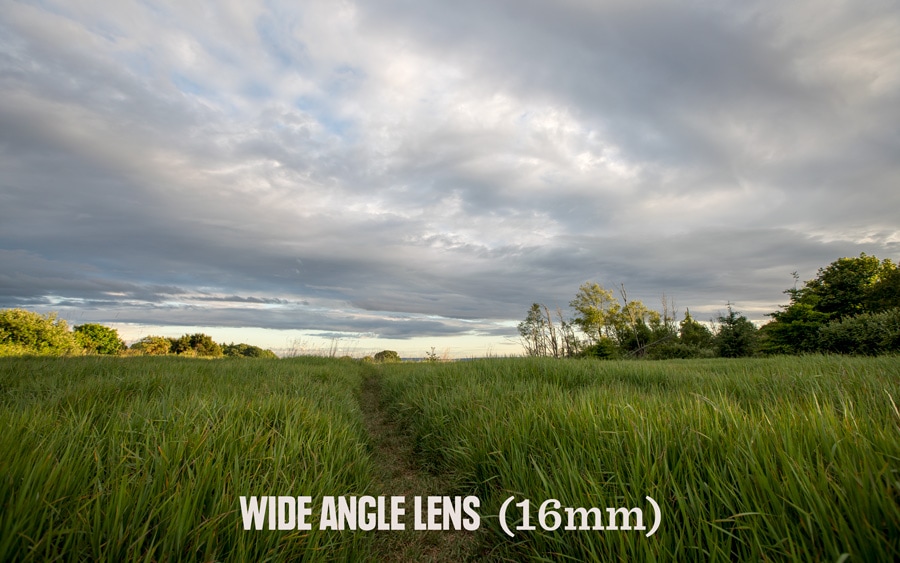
<point>99,339</point>
<point>387,356</point>
<point>604,348</point>
<point>153,345</point>
<point>865,334</point>
<point>246,351</point>
<point>736,336</point>
<point>197,344</point>
<point>26,332</point>
<point>678,350</point>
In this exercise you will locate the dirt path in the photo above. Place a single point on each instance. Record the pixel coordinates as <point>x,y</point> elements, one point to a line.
<point>399,475</point>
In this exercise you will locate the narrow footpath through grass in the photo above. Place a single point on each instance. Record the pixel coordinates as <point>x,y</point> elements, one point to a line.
<point>400,475</point>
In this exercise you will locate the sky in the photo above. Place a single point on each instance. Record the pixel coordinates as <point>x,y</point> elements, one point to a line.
<point>404,175</point>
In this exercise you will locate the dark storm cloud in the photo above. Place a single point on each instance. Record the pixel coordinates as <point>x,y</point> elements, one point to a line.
<point>425,168</point>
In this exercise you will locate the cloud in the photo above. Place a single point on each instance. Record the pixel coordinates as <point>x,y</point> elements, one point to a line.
<point>402,168</point>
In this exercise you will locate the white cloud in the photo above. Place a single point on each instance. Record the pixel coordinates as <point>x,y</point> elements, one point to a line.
<point>431,159</point>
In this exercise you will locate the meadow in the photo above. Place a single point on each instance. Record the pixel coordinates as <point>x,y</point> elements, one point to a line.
<point>143,459</point>
<point>787,459</point>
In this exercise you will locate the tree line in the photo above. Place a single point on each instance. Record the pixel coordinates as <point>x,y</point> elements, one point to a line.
<point>852,306</point>
<point>25,332</point>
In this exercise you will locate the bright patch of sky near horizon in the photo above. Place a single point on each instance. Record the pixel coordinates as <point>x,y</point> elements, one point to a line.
<point>416,174</point>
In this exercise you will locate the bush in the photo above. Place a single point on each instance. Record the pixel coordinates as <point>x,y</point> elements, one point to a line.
<point>197,344</point>
<point>678,350</point>
<point>99,339</point>
<point>736,336</point>
<point>246,351</point>
<point>153,345</point>
<point>26,332</point>
<point>867,334</point>
<point>604,349</point>
<point>387,356</point>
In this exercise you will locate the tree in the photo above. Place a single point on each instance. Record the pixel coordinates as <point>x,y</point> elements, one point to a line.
<point>533,332</point>
<point>571,346</point>
<point>794,330</point>
<point>736,336</point>
<point>153,345</point>
<point>26,332</point>
<point>246,351</point>
<point>197,344</point>
<point>387,356</point>
<point>850,286</point>
<point>846,288</point>
<point>632,324</point>
<point>540,335</point>
<point>99,339</point>
<point>692,333</point>
<point>885,292</point>
<point>596,309</point>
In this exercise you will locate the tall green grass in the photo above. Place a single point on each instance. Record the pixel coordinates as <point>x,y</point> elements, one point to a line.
<point>783,459</point>
<point>144,459</point>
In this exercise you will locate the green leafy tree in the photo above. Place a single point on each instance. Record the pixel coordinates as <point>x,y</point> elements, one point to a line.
<point>153,345</point>
<point>596,311</point>
<point>26,332</point>
<point>246,351</point>
<point>692,340</point>
<point>885,292</point>
<point>865,334</point>
<point>532,331</point>
<point>736,336</point>
<point>604,349</point>
<point>99,339</point>
<point>539,334</point>
<point>694,334</point>
<point>850,286</point>
<point>794,330</point>
<point>846,288</point>
<point>631,325</point>
<point>387,356</point>
<point>197,344</point>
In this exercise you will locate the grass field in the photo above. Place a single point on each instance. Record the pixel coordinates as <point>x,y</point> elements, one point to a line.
<point>126,459</point>
<point>783,459</point>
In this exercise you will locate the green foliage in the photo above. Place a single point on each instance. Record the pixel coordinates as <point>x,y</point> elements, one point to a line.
<point>631,326</point>
<point>99,339</point>
<point>246,351</point>
<point>604,349</point>
<point>885,292</point>
<point>197,344</point>
<point>865,334</point>
<point>387,356</point>
<point>820,314</point>
<point>795,330</point>
<point>596,310</point>
<point>851,286</point>
<point>736,336</point>
<point>675,350</point>
<point>153,345</point>
<point>26,332</point>
<point>694,334</point>
<point>533,331</point>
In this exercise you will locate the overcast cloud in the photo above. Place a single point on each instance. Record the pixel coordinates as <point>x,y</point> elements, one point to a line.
<point>399,169</point>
